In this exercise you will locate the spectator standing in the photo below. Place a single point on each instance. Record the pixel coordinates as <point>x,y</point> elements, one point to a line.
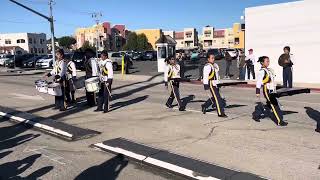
<point>285,60</point>
<point>181,64</point>
<point>242,65</point>
<point>228,59</point>
<point>250,60</point>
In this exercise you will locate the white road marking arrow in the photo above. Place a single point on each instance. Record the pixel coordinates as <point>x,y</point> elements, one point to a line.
<point>27,97</point>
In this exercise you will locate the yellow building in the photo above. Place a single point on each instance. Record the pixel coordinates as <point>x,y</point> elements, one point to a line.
<point>152,34</point>
<point>238,34</point>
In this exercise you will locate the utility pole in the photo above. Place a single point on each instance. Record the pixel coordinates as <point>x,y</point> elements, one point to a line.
<point>50,19</point>
<point>96,16</point>
<point>53,44</point>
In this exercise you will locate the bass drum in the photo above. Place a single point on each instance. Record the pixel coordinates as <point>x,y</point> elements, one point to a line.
<point>54,89</point>
<point>92,84</point>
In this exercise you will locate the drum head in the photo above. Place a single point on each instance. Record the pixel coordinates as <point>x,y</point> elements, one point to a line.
<point>54,85</point>
<point>93,79</point>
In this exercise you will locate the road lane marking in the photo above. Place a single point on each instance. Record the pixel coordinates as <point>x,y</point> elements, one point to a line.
<point>27,97</point>
<point>38,125</point>
<point>45,153</point>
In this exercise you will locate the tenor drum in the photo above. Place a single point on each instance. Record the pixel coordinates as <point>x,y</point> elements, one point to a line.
<point>54,89</point>
<point>92,84</point>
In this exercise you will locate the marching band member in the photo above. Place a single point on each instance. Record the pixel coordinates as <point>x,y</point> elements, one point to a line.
<point>91,67</point>
<point>266,80</point>
<point>172,78</point>
<point>106,77</point>
<point>59,73</point>
<point>210,79</point>
<point>71,78</point>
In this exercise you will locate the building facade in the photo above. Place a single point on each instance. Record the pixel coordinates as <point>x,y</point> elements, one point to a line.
<point>102,36</point>
<point>219,39</point>
<point>207,37</point>
<point>238,35</point>
<point>152,35</point>
<point>296,24</point>
<point>179,38</point>
<point>190,38</point>
<point>21,43</point>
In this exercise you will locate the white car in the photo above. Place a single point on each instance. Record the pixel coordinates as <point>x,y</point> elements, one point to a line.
<point>233,53</point>
<point>4,58</point>
<point>45,62</point>
<point>116,58</point>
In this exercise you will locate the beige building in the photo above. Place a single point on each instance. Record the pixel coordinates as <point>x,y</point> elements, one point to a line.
<point>229,38</point>
<point>190,38</point>
<point>21,43</point>
<point>91,34</point>
<point>152,34</point>
<point>207,37</point>
<point>179,38</point>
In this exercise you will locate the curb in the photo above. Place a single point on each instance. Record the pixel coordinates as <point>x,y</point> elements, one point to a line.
<point>50,126</point>
<point>178,164</point>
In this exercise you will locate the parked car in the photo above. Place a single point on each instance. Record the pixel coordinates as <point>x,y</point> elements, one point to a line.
<point>217,53</point>
<point>137,56</point>
<point>233,53</point>
<point>149,55</point>
<point>116,58</point>
<point>17,60</point>
<point>31,62</point>
<point>78,59</point>
<point>4,58</point>
<point>194,56</point>
<point>45,62</point>
<point>9,62</point>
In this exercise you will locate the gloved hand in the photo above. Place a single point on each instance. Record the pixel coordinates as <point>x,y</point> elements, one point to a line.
<point>206,87</point>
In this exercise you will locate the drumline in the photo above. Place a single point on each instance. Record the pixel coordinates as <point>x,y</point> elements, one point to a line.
<point>93,85</point>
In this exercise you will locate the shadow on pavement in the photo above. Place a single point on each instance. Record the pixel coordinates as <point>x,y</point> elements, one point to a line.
<point>11,170</point>
<point>82,106</point>
<point>4,154</point>
<point>122,104</point>
<point>315,115</point>
<point>9,136</point>
<point>108,170</point>
<point>186,100</point>
<point>16,141</point>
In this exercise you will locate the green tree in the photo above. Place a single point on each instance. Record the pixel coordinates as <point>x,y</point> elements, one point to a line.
<point>137,43</point>
<point>131,44</point>
<point>142,43</point>
<point>87,45</point>
<point>67,41</point>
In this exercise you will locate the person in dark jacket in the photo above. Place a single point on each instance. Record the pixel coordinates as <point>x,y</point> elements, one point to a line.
<point>91,67</point>
<point>285,60</point>
<point>228,59</point>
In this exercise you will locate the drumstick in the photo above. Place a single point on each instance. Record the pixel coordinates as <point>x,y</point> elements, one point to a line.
<point>107,85</point>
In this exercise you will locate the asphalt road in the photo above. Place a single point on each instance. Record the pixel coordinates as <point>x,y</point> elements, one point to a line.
<point>138,113</point>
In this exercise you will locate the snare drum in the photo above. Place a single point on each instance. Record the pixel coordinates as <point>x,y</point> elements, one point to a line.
<point>54,89</point>
<point>92,84</point>
<point>41,86</point>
